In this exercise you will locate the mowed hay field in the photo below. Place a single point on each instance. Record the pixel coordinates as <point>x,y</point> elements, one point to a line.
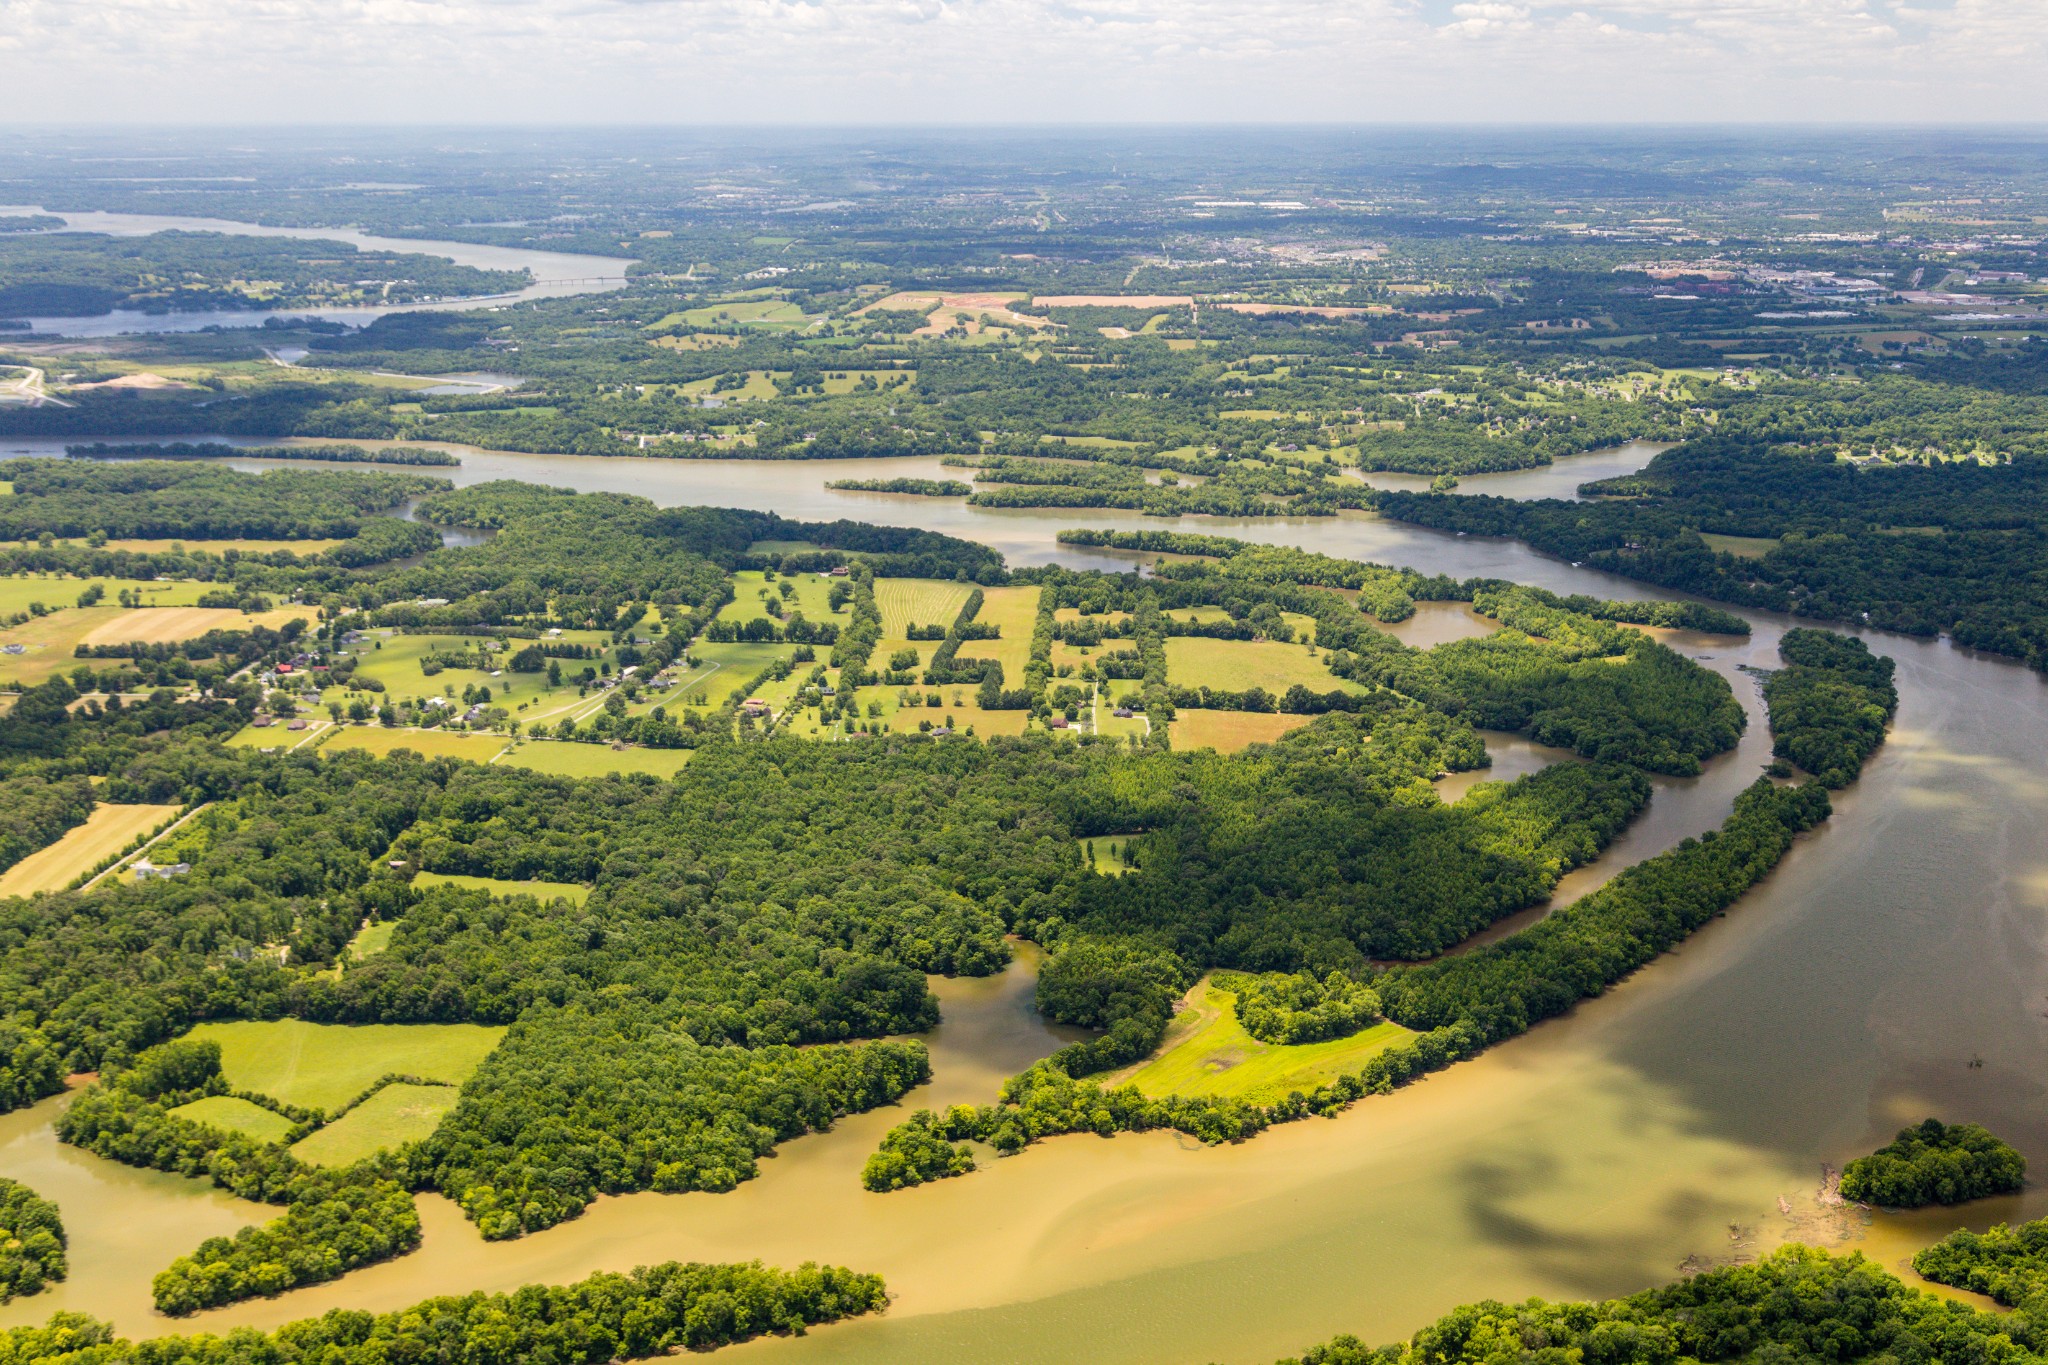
<point>105,833</point>
<point>1240,665</point>
<point>905,602</point>
<point>214,547</point>
<point>325,1066</point>
<point>1228,731</point>
<point>1015,610</point>
<point>397,1114</point>
<point>1207,1052</point>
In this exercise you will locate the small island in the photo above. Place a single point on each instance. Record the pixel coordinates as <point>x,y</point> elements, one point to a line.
<point>1935,1163</point>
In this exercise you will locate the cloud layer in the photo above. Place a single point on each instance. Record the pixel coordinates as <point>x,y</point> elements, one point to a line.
<point>696,61</point>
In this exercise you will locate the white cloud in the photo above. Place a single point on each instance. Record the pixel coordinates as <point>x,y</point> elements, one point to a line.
<point>1021,60</point>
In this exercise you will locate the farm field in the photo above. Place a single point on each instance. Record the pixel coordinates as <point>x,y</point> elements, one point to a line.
<point>17,591</point>
<point>498,886</point>
<point>905,602</point>
<point>379,740</point>
<point>1207,1052</point>
<point>214,547</point>
<point>566,758</point>
<point>105,833</point>
<point>325,1066</point>
<point>1239,665</point>
<point>397,1114</point>
<point>50,642</point>
<point>1228,731</point>
<point>1015,610</point>
<point>233,1115</point>
<point>812,596</point>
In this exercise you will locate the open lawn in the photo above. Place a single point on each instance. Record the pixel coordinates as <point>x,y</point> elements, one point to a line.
<point>1207,1052</point>
<point>105,833</point>
<point>396,662</point>
<point>1239,665</point>
<point>497,886</point>
<point>745,312</point>
<point>1228,731</point>
<point>397,1114</point>
<point>326,1066</point>
<point>905,602</point>
<point>567,759</point>
<point>232,1115</point>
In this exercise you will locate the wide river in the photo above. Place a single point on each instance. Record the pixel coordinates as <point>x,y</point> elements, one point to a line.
<point>1895,965</point>
<point>556,274</point>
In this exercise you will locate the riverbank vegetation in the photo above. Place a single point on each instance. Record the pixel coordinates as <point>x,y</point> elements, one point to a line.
<point>32,1254</point>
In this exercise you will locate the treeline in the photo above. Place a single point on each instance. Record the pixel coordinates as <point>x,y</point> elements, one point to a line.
<point>327,451</point>
<point>38,812</point>
<point>651,1311</point>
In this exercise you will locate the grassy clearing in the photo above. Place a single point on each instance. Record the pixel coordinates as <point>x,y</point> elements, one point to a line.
<point>1229,731</point>
<point>905,602</point>
<point>567,759</point>
<point>1239,665</point>
<point>324,1066</point>
<point>498,886</point>
<point>396,662</point>
<point>1742,547</point>
<point>1207,1052</point>
<point>1109,853</point>
<point>746,312</point>
<point>397,1114</point>
<point>372,939</point>
<point>232,1115</point>
<point>107,831</point>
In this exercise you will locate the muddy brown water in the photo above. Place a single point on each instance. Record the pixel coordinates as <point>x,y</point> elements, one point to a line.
<point>1895,965</point>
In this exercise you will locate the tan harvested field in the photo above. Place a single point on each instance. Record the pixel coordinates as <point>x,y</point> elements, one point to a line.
<point>940,310</point>
<point>1228,731</point>
<point>1113,300</point>
<point>905,602</point>
<point>161,625</point>
<point>105,833</point>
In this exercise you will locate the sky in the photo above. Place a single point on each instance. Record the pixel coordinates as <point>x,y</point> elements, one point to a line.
<point>1022,61</point>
